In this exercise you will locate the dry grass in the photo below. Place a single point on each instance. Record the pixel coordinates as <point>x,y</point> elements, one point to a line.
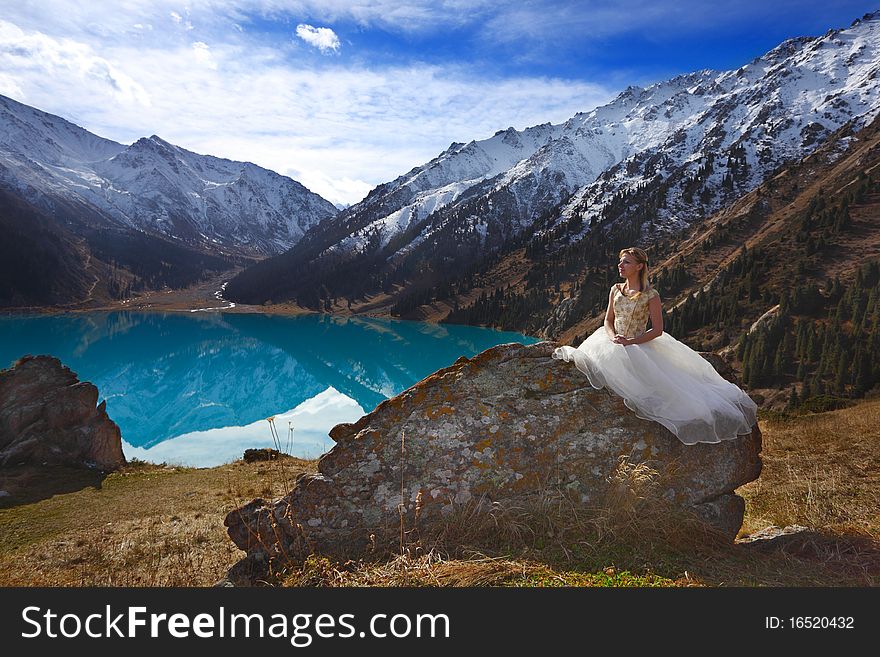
<point>143,526</point>
<point>163,526</point>
<point>426,570</point>
<point>432,570</point>
<point>555,526</point>
<point>544,539</point>
<point>820,471</point>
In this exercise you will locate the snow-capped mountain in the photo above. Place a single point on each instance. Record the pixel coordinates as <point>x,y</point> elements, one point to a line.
<point>718,135</point>
<point>676,150</point>
<point>774,109</point>
<point>153,186</point>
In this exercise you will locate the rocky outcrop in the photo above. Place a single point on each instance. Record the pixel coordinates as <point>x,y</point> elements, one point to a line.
<point>509,422</point>
<point>262,454</point>
<point>48,416</point>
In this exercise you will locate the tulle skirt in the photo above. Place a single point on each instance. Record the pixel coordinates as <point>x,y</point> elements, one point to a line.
<point>668,382</point>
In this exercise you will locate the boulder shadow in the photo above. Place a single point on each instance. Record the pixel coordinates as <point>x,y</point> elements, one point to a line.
<point>840,556</point>
<point>26,484</point>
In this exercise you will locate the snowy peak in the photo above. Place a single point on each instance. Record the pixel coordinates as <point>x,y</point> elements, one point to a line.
<point>49,138</point>
<point>154,186</point>
<point>778,107</point>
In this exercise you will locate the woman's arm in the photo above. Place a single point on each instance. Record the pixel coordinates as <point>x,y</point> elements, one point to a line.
<point>609,315</point>
<point>655,307</point>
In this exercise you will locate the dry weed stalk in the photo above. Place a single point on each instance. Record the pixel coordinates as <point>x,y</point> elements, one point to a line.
<point>401,508</point>
<point>281,453</point>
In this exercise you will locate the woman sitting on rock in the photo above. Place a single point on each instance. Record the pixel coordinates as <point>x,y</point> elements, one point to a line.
<point>659,378</point>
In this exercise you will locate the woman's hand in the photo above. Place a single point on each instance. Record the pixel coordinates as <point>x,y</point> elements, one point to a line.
<point>622,339</point>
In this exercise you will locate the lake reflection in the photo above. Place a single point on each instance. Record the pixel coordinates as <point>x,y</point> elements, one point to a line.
<point>197,388</point>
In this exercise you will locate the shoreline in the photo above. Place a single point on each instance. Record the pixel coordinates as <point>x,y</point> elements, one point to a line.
<point>204,297</point>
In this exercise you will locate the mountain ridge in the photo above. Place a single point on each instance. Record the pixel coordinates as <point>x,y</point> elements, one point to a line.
<point>128,218</point>
<point>661,157</point>
<point>155,186</point>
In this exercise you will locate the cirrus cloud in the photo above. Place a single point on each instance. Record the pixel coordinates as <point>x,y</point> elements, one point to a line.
<point>341,124</point>
<point>340,129</point>
<point>32,61</point>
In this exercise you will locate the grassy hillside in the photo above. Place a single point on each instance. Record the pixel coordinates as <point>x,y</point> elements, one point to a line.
<point>821,471</point>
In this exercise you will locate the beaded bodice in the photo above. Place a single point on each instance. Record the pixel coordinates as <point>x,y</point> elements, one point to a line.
<point>631,313</point>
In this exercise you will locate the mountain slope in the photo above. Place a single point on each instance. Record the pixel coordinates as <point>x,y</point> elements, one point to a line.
<point>226,207</point>
<point>779,219</point>
<point>40,262</point>
<point>784,283</point>
<point>647,164</point>
<point>87,219</point>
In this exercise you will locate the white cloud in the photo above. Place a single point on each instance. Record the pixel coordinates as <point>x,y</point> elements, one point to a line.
<point>545,21</point>
<point>10,87</point>
<point>37,63</point>
<point>345,191</point>
<point>203,55</point>
<point>322,38</point>
<point>340,129</point>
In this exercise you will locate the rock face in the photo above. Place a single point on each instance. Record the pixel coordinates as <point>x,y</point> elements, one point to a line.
<point>508,422</point>
<point>49,416</point>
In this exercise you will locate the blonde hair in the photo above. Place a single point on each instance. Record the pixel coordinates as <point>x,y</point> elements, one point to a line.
<point>642,257</point>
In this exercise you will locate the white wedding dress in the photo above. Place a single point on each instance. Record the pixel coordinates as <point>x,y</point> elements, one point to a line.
<point>662,380</point>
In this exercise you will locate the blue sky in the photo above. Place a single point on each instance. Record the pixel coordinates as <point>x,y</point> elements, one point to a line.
<point>345,95</point>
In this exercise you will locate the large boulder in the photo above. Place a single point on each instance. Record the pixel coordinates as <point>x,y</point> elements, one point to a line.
<point>509,422</point>
<point>48,416</point>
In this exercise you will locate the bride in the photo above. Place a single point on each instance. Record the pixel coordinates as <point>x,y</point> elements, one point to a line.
<point>659,378</point>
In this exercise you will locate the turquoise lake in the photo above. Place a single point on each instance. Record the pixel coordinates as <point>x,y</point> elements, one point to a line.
<point>197,388</point>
